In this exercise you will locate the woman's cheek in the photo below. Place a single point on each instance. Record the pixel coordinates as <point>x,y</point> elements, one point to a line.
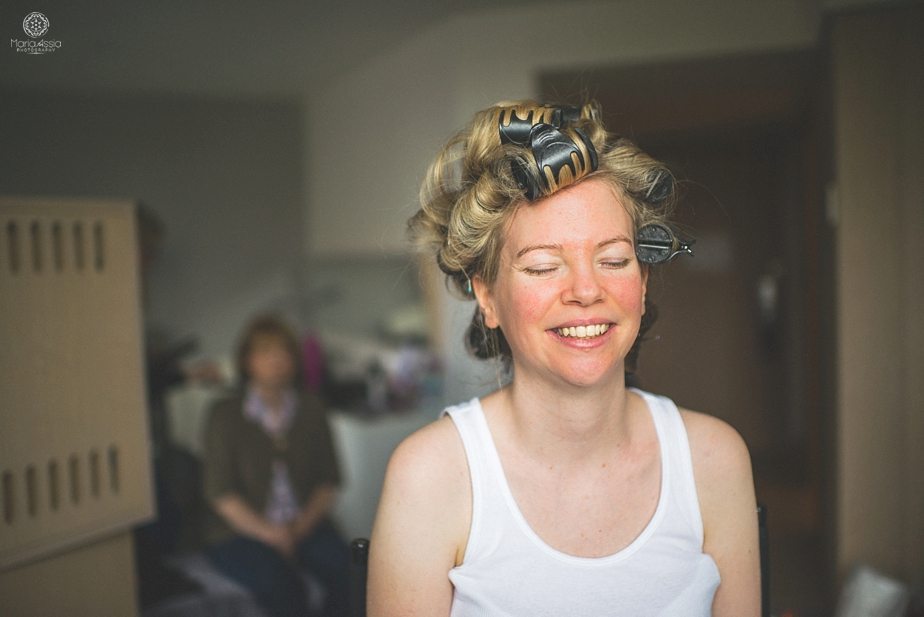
<point>530,303</point>
<point>630,294</point>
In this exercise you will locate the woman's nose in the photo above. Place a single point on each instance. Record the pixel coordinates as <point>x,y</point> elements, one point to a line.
<point>583,288</point>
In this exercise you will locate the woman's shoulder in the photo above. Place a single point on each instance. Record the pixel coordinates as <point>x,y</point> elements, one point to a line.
<point>427,486</point>
<point>431,455</point>
<point>721,469</point>
<point>725,488</point>
<point>223,423</point>
<point>310,401</point>
<point>227,407</point>
<point>714,444</point>
<point>716,448</point>
<point>429,467</point>
<point>422,523</point>
<point>311,411</point>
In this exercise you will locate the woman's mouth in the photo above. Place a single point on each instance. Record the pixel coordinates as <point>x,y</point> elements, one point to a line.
<point>583,332</point>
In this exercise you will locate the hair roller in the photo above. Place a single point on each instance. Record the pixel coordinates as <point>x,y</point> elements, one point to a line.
<point>557,157</point>
<point>660,186</point>
<point>657,243</point>
<point>515,123</point>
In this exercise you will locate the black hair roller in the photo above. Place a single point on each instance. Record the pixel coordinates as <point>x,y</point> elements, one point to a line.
<point>569,114</point>
<point>553,151</point>
<point>591,151</point>
<point>656,243</point>
<point>554,143</point>
<point>513,129</point>
<point>524,172</point>
<point>660,187</point>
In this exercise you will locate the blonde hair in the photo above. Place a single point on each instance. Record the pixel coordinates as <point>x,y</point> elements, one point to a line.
<point>470,194</point>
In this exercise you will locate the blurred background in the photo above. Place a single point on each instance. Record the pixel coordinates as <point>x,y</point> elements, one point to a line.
<point>276,151</point>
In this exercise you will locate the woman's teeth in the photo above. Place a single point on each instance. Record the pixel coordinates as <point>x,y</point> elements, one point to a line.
<point>584,331</point>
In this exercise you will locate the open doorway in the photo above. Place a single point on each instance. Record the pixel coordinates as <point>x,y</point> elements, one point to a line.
<point>741,329</point>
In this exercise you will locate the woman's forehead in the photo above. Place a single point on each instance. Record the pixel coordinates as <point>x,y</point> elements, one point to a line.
<point>590,211</point>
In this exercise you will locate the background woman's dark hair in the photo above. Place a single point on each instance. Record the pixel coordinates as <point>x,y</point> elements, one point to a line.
<point>268,326</point>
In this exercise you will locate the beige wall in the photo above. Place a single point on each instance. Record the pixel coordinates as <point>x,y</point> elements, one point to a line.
<point>879,151</point>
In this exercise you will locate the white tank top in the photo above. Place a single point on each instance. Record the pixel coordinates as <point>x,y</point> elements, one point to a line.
<point>508,571</point>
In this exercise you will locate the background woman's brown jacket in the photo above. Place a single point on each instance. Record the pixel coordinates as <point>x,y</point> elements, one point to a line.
<point>239,456</point>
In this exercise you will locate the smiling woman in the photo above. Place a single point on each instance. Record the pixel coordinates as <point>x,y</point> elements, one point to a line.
<point>563,492</point>
<point>548,299</point>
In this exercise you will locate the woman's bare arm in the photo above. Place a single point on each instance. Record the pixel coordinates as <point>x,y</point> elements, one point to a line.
<point>725,484</point>
<point>421,526</point>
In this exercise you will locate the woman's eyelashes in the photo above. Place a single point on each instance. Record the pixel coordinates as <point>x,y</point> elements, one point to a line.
<point>540,269</point>
<point>547,268</point>
<point>615,264</point>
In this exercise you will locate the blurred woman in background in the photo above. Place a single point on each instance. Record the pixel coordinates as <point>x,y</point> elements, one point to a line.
<point>270,477</point>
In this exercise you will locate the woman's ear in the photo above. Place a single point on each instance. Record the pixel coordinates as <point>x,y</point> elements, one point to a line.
<point>485,300</point>
<point>645,270</point>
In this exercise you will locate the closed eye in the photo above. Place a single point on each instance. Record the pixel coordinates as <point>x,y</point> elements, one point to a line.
<point>615,264</point>
<point>539,270</point>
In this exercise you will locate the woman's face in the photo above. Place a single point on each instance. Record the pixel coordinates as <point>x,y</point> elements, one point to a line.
<point>269,363</point>
<point>569,293</point>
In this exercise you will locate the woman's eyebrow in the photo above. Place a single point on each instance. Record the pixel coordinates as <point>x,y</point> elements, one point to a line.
<point>538,247</point>
<point>615,240</point>
<point>557,247</point>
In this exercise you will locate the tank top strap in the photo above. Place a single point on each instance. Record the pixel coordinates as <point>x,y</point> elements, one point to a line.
<point>676,460</point>
<point>469,421</point>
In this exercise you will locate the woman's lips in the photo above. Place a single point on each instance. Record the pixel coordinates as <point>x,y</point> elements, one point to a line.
<point>583,331</point>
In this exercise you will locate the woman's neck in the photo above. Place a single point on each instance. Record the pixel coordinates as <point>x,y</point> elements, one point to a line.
<point>571,422</point>
<point>272,396</point>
